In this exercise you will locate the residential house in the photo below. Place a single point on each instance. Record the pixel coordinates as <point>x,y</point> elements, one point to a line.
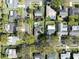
<point>24,28</point>
<point>74,1</point>
<point>51,13</point>
<point>21,6</point>
<point>12,40</point>
<point>73,11</point>
<point>12,4</point>
<point>38,14</point>
<point>65,55</point>
<point>63,29</point>
<point>75,55</point>
<point>36,56</point>
<point>51,29</point>
<point>11,53</point>
<point>12,15</point>
<point>74,31</point>
<point>75,28</point>
<point>70,2</point>
<point>48,1</point>
<point>64,12</point>
<point>10,28</point>
<point>52,56</point>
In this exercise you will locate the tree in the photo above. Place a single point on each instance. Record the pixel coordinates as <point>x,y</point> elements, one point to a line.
<point>73,20</point>
<point>42,38</point>
<point>56,4</point>
<point>54,41</point>
<point>3,39</point>
<point>27,39</point>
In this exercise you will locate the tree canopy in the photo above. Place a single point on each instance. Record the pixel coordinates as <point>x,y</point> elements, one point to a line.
<point>56,4</point>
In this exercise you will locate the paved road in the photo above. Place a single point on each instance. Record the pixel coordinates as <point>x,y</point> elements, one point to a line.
<point>74,33</point>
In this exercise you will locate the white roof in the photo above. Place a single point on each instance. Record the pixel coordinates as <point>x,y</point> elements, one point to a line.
<point>23,6</point>
<point>65,55</point>
<point>7,27</point>
<point>12,40</point>
<point>10,1</point>
<point>50,27</point>
<point>37,58</point>
<point>11,13</point>
<point>12,53</point>
<point>70,4</point>
<point>76,55</point>
<point>74,28</point>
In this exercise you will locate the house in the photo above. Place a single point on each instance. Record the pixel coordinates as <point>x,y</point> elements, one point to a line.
<point>11,53</point>
<point>10,28</point>
<point>38,14</point>
<point>21,6</point>
<point>63,29</point>
<point>74,31</point>
<point>51,13</point>
<point>75,55</point>
<point>12,40</point>
<point>50,29</point>
<point>12,4</point>
<point>71,2</point>
<point>74,1</point>
<point>37,56</point>
<point>52,56</point>
<point>73,11</point>
<point>24,28</point>
<point>64,12</point>
<point>48,1</point>
<point>75,28</point>
<point>11,13</point>
<point>65,55</point>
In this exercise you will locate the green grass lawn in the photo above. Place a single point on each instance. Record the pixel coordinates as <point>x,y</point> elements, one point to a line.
<point>20,11</point>
<point>21,1</point>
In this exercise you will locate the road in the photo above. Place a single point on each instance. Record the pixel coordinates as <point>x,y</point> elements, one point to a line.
<point>74,33</point>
